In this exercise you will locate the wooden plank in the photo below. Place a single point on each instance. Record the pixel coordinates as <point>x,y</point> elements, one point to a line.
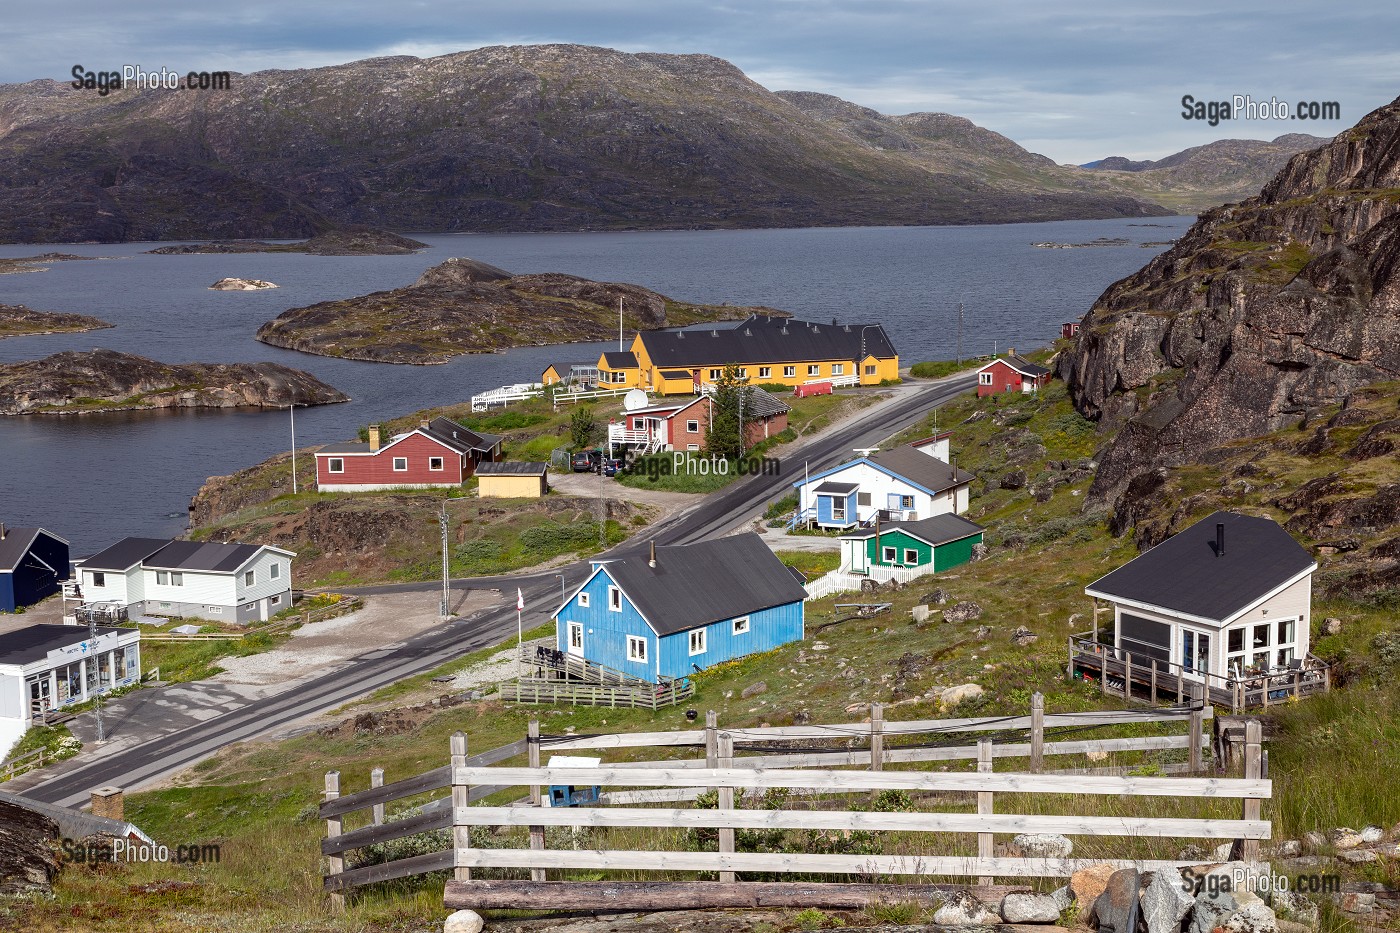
<point>726,804</point>
<point>335,864</point>
<point>986,823</point>
<point>986,847</point>
<point>1037,734</point>
<point>536,798</point>
<point>461,797</point>
<point>849,781</point>
<point>435,779</point>
<point>1253,768</point>
<point>917,865</point>
<point>376,779</point>
<point>877,737</point>
<point>1196,728</point>
<point>388,871</point>
<point>683,895</point>
<point>373,835</point>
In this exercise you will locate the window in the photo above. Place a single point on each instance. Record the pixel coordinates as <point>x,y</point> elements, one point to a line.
<point>214,610</point>
<point>838,369</point>
<point>741,625</point>
<point>275,600</point>
<point>765,372</point>
<point>435,464</point>
<point>249,577</point>
<point>789,371</point>
<point>743,372</point>
<point>636,649</point>
<point>1285,632</point>
<point>887,554</point>
<point>911,555</point>
<point>583,600</point>
<point>715,375</point>
<point>165,605</point>
<point>870,370</point>
<point>838,510</point>
<point>692,446</point>
<point>97,578</point>
<point>1261,636</point>
<point>984,379</point>
<point>576,636</point>
<point>862,498</point>
<point>335,465</point>
<point>400,464</point>
<point>162,578</point>
<point>906,502</point>
<point>697,641</point>
<point>275,571</point>
<point>814,369</point>
<point>177,578</point>
<point>692,427</point>
<point>614,599</point>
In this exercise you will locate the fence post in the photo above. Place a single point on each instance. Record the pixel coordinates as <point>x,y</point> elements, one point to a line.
<point>1127,678</point>
<point>1197,719</point>
<point>877,736</point>
<point>1037,732</point>
<point>1154,682</point>
<point>985,847</point>
<point>726,802</point>
<point>376,779</point>
<point>1069,664</point>
<point>1253,769</point>
<point>532,743</point>
<point>461,797</point>
<point>333,827</point>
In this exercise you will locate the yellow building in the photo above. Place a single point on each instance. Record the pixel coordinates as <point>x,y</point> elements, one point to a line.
<point>766,349</point>
<point>512,480</point>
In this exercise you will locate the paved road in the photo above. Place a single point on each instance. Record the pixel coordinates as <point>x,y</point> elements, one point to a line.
<point>716,515</point>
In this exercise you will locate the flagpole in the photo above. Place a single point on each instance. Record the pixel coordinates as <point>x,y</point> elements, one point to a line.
<point>520,630</point>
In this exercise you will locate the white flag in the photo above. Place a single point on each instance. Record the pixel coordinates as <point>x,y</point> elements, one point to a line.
<point>519,600</point>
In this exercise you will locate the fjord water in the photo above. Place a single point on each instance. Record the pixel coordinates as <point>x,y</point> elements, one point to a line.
<point>95,478</point>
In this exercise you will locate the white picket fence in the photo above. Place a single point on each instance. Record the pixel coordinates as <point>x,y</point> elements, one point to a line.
<point>842,580</point>
<point>505,395</point>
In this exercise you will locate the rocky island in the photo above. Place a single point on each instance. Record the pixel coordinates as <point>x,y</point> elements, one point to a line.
<point>38,263</point>
<point>105,380</point>
<point>22,321</point>
<point>349,242</point>
<point>466,306</point>
<point>240,285</point>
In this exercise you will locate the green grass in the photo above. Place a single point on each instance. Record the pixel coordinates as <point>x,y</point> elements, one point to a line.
<point>57,742</point>
<point>811,563</point>
<point>181,661</point>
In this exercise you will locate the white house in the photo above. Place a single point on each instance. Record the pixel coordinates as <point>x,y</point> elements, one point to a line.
<point>237,583</point>
<point>906,484</point>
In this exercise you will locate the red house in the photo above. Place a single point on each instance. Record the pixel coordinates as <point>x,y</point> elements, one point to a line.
<point>1070,329</point>
<point>685,425</point>
<point>437,453</point>
<point>1010,373</point>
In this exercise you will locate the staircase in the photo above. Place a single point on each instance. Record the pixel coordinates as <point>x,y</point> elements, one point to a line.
<point>560,677</point>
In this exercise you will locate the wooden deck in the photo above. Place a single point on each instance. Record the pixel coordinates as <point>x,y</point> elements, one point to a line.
<point>1123,674</point>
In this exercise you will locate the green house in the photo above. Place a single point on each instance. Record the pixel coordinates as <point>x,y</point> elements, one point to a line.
<point>931,545</point>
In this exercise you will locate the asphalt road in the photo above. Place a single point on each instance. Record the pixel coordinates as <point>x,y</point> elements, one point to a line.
<point>716,515</point>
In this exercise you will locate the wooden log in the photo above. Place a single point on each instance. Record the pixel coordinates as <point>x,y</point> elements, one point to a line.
<point>461,797</point>
<point>1253,769</point>
<point>686,895</point>
<point>986,847</point>
<point>877,736</point>
<point>1037,734</point>
<point>726,804</point>
<point>376,779</point>
<point>532,739</point>
<point>336,864</point>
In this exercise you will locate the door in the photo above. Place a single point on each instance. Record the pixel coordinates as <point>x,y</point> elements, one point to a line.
<point>576,639</point>
<point>1195,654</point>
<point>40,698</point>
<point>860,562</point>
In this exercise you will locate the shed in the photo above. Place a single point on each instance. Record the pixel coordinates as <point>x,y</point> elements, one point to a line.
<point>932,545</point>
<point>1011,373</point>
<point>33,562</point>
<point>513,479</point>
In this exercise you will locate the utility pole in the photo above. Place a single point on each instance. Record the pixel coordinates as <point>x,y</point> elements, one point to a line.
<point>602,513</point>
<point>292,409</point>
<point>620,347</point>
<point>95,659</point>
<point>960,329</point>
<point>443,611</point>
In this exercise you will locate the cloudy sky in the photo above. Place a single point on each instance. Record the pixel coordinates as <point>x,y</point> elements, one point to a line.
<point>1076,81</point>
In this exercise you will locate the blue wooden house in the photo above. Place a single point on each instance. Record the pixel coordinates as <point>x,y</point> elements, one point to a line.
<point>33,564</point>
<point>677,610</point>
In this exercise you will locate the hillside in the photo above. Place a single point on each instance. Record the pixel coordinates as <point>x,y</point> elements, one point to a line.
<point>1266,315</point>
<point>465,306</point>
<point>554,137</point>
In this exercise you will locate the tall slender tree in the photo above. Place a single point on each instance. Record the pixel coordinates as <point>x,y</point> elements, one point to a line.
<point>725,438</point>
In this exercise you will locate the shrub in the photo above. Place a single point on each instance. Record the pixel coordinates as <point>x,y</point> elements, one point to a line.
<point>777,388</point>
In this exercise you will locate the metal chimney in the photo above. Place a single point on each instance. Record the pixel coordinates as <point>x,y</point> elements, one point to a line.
<point>652,562</point>
<point>1219,539</point>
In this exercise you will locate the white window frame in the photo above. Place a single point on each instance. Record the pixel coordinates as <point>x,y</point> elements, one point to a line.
<point>335,464</point>
<point>741,625</point>
<point>692,427</point>
<point>400,469</point>
<point>636,649</point>
<point>696,641</point>
<point>441,464</point>
<point>97,578</point>
<point>276,599</point>
<point>889,553</point>
<point>692,447</point>
<point>790,371</point>
<point>838,369</point>
<point>177,578</point>
<point>583,600</point>
<point>814,369</point>
<point>911,556</point>
<point>765,372</point>
<point>575,636</point>
<point>214,610</point>
<point>716,375</point>
<point>870,369</point>
<point>274,571</point>
<point>614,599</point>
<point>250,577</point>
<point>984,379</point>
<point>162,578</point>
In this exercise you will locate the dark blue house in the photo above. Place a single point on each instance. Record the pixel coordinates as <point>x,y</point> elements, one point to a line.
<point>33,564</point>
<point>677,610</point>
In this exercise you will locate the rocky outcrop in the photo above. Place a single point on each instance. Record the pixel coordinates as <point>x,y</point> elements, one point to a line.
<point>1263,314</point>
<point>105,380</point>
<point>28,853</point>
<point>360,241</point>
<point>465,306</point>
<point>240,285</point>
<point>19,320</point>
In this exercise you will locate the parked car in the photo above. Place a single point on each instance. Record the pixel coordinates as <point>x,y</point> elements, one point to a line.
<point>613,466</point>
<point>587,461</point>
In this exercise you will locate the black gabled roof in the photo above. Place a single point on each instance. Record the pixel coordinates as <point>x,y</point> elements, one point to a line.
<point>460,437</point>
<point>840,489</point>
<point>677,374</point>
<point>763,404</point>
<point>1020,364</point>
<point>34,642</point>
<point>696,584</point>
<point>513,468</point>
<point>128,552</point>
<point>760,339</point>
<point>18,541</point>
<point>621,359</point>
<point>920,468</point>
<point>940,529</point>
<point>1184,575</point>
<point>210,556</point>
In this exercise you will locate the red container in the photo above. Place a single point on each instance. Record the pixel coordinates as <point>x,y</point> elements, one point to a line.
<point>813,388</point>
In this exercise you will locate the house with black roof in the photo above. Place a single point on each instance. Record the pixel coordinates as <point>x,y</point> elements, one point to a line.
<point>929,545</point>
<point>1011,373</point>
<point>907,483</point>
<point>436,453</point>
<point>47,667</point>
<point>33,565</point>
<point>766,348</point>
<point>1225,601</point>
<point>221,582</point>
<point>674,610</point>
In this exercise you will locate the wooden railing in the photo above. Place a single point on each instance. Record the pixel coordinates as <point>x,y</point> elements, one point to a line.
<point>648,696</point>
<point>344,607</point>
<point>569,398</point>
<point>30,761</point>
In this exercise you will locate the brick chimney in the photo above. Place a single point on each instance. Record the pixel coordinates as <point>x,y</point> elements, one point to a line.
<point>374,438</point>
<point>107,801</point>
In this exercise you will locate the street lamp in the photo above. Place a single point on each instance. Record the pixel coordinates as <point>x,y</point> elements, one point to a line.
<point>292,411</point>
<point>563,596</point>
<point>861,361</point>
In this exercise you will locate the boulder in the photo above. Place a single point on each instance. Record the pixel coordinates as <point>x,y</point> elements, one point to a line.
<point>1288,848</point>
<point>753,690</point>
<point>962,909</point>
<point>1331,626</point>
<point>936,598</point>
<point>1344,837</point>
<point>979,551</point>
<point>1253,918</point>
<point>1088,883</point>
<point>960,694</point>
<point>1016,479</point>
<point>240,285</point>
<point>1117,907</point>
<point>1023,636</point>
<point>1040,845</point>
<point>1210,910</point>
<point>1165,903</point>
<point>1030,908</point>
<point>1356,902</point>
<point>28,855</point>
<point>1371,833</point>
<point>1357,856</point>
<point>1314,840</point>
<point>964,611</point>
<point>1296,907</point>
<point>463,921</point>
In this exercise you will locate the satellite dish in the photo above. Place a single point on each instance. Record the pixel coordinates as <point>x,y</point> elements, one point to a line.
<point>634,399</point>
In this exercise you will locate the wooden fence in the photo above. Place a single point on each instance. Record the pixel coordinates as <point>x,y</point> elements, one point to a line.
<point>29,761</point>
<point>653,697</point>
<point>344,607</point>
<point>635,784</point>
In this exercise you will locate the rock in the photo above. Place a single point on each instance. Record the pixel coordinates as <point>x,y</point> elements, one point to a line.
<point>1288,848</point>
<point>1088,883</point>
<point>464,921</point>
<point>1192,853</point>
<point>1210,910</point>
<point>920,613</point>
<point>1331,626</point>
<point>1116,909</point>
<point>1165,903</point>
<point>962,909</point>
<point>1314,840</point>
<point>1016,479</point>
<point>1371,833</point>
<point>979,551</point>
<point>1030,908</point>
<point>1024,636</point>
<point>240,285</point>
<point>801,718</point>
<point>753,690</point>
<point>1356,902</point>
<point>936,598</point>
<point>1040,845</point>
<point>28,853</point>
<point>1296,907</point>
<point>963,611</point>
<point>1253,918</point>
<point>1222,851</point>
<point>960,694</point>
<point>1357,856</point>
<point>1344,837</point>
